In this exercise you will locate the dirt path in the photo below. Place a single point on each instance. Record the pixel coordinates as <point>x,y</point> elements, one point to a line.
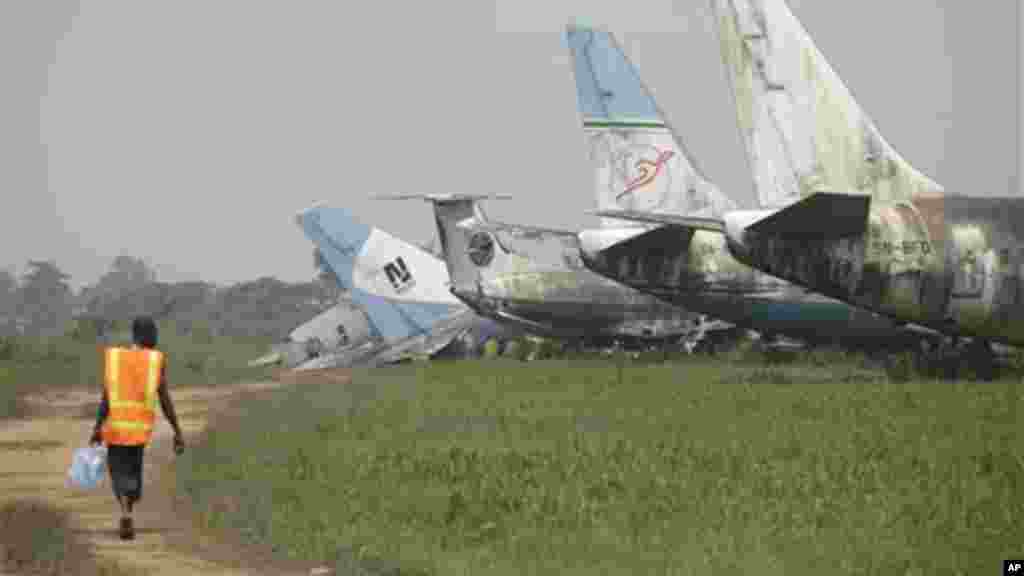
<point>37,452</point>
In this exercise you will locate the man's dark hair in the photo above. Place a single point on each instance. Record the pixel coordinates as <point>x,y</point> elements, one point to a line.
<point>144,332</point>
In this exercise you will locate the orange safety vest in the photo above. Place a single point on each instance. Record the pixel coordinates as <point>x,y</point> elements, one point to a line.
<point>131,378</point>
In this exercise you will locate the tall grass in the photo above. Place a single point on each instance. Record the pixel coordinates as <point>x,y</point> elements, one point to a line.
<point>566,468</point>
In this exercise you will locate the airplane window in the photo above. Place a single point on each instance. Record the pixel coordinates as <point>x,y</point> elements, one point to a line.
<point>342,335</point>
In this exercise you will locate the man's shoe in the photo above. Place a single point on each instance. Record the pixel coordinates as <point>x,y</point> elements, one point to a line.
<point>127,530</point>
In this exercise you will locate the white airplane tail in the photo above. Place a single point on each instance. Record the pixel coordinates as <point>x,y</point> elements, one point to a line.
<point>640,163</point>
<point>801,127</point>
<point>402,288</point>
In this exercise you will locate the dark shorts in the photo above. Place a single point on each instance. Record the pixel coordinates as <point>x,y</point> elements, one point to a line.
<point>125,463</point>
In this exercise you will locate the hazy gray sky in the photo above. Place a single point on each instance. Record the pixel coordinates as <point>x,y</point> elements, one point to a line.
<point>190,132</point>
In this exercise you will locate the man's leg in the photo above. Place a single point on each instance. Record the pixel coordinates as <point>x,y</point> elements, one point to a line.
<point>127,529</point>
<point>133,493</point>
<point>120,460</point>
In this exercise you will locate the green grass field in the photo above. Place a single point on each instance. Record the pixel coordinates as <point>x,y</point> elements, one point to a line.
<point>30,364</point>
<point>557,467</point>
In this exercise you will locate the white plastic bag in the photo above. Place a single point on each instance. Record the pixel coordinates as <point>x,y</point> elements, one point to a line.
<point>86,470</point>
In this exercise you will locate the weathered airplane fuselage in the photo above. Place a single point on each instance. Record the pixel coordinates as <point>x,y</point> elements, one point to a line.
<point>952,263</point>
<point>696,270</point>
<point>542,282</point>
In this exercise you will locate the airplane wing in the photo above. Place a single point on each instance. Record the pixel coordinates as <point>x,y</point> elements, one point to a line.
<point>692,222</point>
<point>444,197</point>
<point>516,230</point>
<point>822,214</point>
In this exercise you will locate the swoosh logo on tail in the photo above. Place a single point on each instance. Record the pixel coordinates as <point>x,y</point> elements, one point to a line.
<point>648,172</point>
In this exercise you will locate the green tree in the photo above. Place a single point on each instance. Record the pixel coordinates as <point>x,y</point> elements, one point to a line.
<point>44,297</point>
<point>127,276</point>
<point>8,290</point>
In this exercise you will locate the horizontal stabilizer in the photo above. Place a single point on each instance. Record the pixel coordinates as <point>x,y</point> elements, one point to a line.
<point>692,222</point>
<point>513,229</point>
<point>820,215</point>
<point>448,197</point>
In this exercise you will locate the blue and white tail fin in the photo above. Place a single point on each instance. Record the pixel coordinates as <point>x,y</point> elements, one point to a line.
<point>640,163</point>
<point>802,129</point>
<point>403,289</point>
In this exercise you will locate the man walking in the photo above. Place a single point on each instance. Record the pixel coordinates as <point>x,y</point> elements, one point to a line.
<point>133,379</point>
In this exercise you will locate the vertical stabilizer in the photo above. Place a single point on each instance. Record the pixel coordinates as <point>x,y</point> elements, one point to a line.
<point>402,288</point>
<point>464,253</point>
<point>640,163</point>
<point>468,252</point>
<point>802,130</point>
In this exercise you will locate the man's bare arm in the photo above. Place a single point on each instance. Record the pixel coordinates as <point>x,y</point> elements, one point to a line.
<point>167,405</point>
<point>101,415</point>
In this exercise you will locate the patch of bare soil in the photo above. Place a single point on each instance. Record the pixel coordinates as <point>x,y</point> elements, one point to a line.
<point>319,376</point>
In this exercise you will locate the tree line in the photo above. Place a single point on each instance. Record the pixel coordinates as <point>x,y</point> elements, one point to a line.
<point>41,302</point>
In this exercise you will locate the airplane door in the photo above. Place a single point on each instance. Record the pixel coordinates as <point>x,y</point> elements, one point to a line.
<point>973,267</point>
